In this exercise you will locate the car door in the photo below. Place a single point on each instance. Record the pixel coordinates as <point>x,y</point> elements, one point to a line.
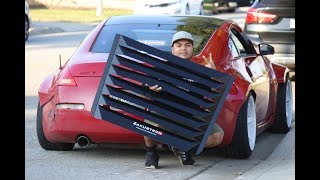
<point>258,72</point>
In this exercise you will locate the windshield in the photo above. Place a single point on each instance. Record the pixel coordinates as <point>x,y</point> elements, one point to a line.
<point>155,35</point>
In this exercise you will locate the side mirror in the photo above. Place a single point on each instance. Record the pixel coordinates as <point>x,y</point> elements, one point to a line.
<point>266,49</point>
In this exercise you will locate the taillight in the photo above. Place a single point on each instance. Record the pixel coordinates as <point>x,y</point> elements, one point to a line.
<point>254,16</point>
<point>66,79</point>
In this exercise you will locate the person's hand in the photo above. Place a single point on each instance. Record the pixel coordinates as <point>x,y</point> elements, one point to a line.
<point>209,61</point>
<point>155,88</point>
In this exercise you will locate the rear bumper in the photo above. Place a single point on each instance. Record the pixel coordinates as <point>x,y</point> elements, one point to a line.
<point>67,125</point>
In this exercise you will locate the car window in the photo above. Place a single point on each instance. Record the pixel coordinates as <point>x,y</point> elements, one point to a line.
<point>242,42</point>
<point>233,48</point>
<point>155,35</point>
<point>242,47</point>
<point>278,3</point>
<point>239,46</point>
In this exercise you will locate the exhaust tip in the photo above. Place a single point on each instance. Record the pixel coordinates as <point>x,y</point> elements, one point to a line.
<point>83,141</point>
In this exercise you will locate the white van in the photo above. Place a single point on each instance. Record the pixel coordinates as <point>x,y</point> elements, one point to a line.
<point>194,7</point>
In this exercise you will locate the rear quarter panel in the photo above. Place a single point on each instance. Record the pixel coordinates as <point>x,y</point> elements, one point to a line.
<point>280,72</point>
<point>223,59</point>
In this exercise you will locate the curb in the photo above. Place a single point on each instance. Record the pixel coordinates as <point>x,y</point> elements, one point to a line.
<point>279,164</point>
<point>45,30</point>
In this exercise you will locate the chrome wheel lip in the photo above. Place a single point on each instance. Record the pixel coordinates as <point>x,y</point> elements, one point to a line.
<point>251,122</point>
<point>289,103</point>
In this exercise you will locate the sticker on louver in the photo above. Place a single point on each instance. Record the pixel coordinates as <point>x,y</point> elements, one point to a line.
<point>181,115</point>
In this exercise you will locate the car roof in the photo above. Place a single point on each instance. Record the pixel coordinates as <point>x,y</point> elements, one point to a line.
<point>163,19</point>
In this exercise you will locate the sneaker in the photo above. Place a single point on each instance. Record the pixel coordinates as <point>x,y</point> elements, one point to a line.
<point>184,157</point>
<point>152,159</point>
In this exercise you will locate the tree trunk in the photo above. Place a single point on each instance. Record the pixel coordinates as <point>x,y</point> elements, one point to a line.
<point>99,10</point>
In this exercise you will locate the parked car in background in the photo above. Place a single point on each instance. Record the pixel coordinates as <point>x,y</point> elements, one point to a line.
<point>260,97</point>
<point>229,5</point>
<point>195,7</point>
<point>27,20</point>
<point>273,22</point>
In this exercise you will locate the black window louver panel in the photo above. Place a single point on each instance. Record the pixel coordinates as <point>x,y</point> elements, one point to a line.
<point>181,115</point>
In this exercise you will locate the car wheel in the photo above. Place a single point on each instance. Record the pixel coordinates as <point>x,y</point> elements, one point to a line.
<point>284,110</point>
<point>44,143</point>
<point>215,7</point>
<point>232,10</point>
<point>26,25</point>
<point>215,10</point>
<point>244,137</point>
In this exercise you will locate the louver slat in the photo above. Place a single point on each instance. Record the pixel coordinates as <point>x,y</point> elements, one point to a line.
<point>181,115</point>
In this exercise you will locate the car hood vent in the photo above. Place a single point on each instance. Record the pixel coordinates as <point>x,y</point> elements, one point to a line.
<point>182,115</point>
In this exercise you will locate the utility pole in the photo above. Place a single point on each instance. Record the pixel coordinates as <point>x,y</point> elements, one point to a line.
<point>99,10</point>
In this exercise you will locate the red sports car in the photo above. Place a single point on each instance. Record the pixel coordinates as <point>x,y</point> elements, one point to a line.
<point>259,99</point>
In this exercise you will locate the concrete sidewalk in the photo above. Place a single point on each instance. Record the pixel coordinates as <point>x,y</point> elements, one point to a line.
<point>280,165</point>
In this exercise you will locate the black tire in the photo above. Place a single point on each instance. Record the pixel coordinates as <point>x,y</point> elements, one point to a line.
<point>284,109</point>
<point>44,143</point>
<point>243,141</point>
<point>232,10</point>
<point>215,10</point>
<point>27,26</point>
